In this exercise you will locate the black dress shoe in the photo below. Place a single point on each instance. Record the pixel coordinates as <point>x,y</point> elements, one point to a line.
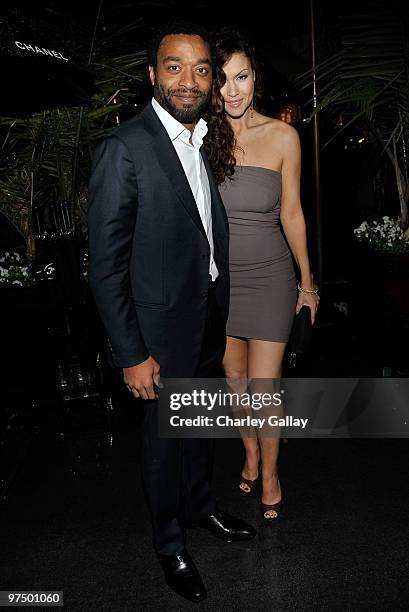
<point>227,527</point>
<point>182,576</point>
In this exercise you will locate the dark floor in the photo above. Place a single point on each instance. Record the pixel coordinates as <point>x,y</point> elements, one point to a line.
<point>75,520</point>
<point>73,515</point>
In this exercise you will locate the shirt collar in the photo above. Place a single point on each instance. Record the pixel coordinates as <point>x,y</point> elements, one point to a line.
<point>175,129</point>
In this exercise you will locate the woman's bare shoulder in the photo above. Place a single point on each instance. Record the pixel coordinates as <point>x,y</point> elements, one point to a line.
<point>279,130</point>
<point>282,130</point>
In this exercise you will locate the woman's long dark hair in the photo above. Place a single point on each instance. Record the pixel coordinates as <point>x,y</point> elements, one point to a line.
<point>220,142</point>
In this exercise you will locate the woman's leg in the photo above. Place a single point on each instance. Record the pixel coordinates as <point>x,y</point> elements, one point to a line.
<point>235,368</point>
<point>264,361</point>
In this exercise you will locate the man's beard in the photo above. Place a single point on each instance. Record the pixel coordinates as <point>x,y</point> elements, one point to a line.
<point>187,114</point>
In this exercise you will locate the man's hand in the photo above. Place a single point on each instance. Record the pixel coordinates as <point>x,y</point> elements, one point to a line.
<point>140,378</point>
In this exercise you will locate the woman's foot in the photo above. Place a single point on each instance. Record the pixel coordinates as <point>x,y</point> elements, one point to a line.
<point>250,472</point>
<point>271,496</point>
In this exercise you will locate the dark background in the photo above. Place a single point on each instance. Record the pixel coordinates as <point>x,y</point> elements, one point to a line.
<point>72,513</point>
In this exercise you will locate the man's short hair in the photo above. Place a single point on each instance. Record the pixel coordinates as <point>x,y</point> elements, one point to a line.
<point>177,27</point>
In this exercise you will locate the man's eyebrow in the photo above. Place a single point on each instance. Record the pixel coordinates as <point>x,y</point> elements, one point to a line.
<point>175,58</point>
<point>171,58</point>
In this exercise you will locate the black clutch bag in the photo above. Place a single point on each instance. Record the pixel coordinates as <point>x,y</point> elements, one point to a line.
<point>301,334</point>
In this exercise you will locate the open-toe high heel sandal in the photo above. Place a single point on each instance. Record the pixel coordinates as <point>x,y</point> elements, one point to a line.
<point>251,484</point>
<point>271,508</point>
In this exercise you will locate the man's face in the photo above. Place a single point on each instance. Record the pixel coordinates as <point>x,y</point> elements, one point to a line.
<point>183,78</point>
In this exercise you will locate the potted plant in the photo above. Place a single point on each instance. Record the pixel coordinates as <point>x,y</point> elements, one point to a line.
<point>45,158</point>
<point>367,78</point>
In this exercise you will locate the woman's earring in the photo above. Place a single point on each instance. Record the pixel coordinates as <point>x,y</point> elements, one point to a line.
<point>251,111</point>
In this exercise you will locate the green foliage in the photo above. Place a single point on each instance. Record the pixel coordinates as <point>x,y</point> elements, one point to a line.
<point>14,270</point>
<point>368,78</point>
<point>383,235</point>
<point>47,157</point>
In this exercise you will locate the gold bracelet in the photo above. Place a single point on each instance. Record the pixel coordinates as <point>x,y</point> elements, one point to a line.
<point>308,291</point>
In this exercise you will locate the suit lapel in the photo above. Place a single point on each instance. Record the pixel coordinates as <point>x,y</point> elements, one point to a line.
<point>171,164</point>
<point>172,167</point>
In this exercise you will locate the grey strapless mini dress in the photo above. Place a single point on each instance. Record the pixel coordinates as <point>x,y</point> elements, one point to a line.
<point>263,286</point>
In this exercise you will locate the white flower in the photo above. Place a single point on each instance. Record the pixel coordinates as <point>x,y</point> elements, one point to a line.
<point>16,282</point>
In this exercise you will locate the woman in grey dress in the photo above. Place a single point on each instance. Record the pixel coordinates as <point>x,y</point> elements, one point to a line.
<point>256,160</point>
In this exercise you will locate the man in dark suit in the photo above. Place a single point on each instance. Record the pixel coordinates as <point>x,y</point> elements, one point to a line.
<point>159,273</point>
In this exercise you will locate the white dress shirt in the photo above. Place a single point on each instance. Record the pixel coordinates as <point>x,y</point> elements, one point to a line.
<point>192,162</point>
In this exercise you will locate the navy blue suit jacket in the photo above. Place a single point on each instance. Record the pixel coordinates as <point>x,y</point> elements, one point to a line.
<point>149,254</point>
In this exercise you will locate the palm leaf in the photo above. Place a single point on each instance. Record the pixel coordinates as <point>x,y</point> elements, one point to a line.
<point>368,77</point>
<point>46,157</point>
